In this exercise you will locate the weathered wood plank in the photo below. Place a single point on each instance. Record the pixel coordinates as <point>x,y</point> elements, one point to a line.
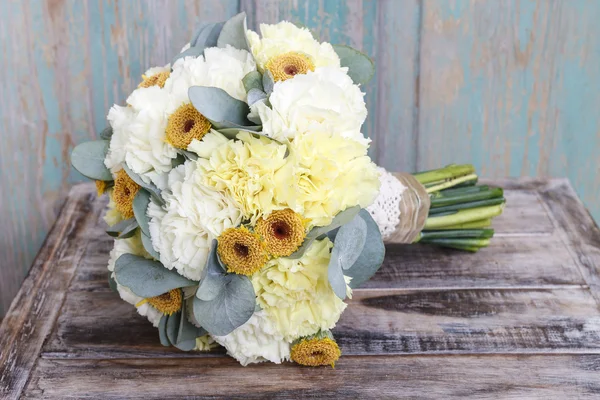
<point>507,85</point>
<point>526,252</point>
<point>578,230</point>
<point>33,312</point>
<point>64,63</point>
<point>384,322</point>
<point>473,377</point>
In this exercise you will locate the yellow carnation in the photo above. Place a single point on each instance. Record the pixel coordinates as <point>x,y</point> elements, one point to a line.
<point>112,215</point>
<point>328,173</point>
<point>296,293</point>
<point>243,169</point>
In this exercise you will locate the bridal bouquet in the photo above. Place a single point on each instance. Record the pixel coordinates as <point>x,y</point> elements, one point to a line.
<point>238,183</point>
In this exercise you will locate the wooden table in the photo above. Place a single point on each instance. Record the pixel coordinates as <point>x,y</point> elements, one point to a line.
<point>520,319</point>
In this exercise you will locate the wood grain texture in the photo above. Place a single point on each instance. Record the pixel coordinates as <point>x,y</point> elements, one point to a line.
<point>508,85</point>
<point>32,315</point>
<point>436,377</point>
<point>64,63</point>
<point>500,325</point>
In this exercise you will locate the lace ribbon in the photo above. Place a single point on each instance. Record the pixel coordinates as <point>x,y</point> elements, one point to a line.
<point>401,208</point>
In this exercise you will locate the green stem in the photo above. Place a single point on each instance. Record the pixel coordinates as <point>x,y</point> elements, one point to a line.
<point>456,198</point>
<point>442,174</point>
<point>456,233</point>
<point>451,183</point>
<point>461,242</point>
<point>463,216</point>
<point>483,223</point>
<point>464,206</point>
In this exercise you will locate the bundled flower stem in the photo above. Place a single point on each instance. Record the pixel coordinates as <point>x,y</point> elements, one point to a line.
<point>461,212</point>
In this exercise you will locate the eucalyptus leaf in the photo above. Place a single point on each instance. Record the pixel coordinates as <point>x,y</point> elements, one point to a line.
<point>154,191</point>
<point>106,133</point>
<point>340,219</point>
<point>336,277</point>
<point>350,242</point>
<point>360,67</point>
<point>173,327</point>
<point>219,107</point>
<point>199,32</point>
<point>234,33</point>
<point>188,154</point>
<point>253,80</point>
<point>88,159</point>
<point>140,207</point>
<point>187,333</point>
<point>147,278</point>
<point>233,306</point>
<point>124,229</point>
<point>147,242</point>
<point>112,283</point>
<point>207,35</point>
<point>213,276</point>
<point>371,258</point>
<point>195,52</point>
<point>255,95</point>
<point>177,161</point>
<point>162,331</point>
<point>268,82</point>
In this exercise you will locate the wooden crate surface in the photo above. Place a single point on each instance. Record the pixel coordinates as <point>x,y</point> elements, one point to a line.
<point>520,319</point>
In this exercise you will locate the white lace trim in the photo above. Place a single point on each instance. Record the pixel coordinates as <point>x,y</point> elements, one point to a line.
<point>385,210</point>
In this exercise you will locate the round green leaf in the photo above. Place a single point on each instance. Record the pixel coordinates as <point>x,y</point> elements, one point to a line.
<point>252,80</point>
<point>162,331</point>
<point>124,229</point>
<point>140,206</point>
<point>219,107</point>
<point>147,278</point>
<point>234,33</point>
<point>233,306</point>
<point>372,255</point>
<point>147,242</point>
<point>360,67</point>
<point>350,241</point>
<point>213,276</point>
<point>340,219</point>
<point>88,159</point>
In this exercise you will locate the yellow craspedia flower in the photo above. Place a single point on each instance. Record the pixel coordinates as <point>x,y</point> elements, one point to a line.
<point>327,173</point>
<point>185,125</point>
<point>167,303</point>
<point>123,194</point>
<point>286,66</point>
<point>243,170</point>
<point>316,350</point>
<point>241,251</point>
<point>296,293</point>
<point>157,79</point>
<point>283,232</point>
<point>101,187</point>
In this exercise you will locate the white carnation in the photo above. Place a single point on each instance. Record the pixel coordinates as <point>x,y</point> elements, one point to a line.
<point>223,68</point>
<point>133,246</point>
<point>286,37</point>
<point>324,100</point>
<point>139,134</point>
<point>156,70</point>
<point>139,137</point>
<point>193,215</point>
<point>256,341</point>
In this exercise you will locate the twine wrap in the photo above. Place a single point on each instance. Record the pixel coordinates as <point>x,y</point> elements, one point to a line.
<point>414,209</point>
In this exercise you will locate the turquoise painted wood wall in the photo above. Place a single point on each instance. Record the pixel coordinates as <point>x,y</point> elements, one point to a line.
<point>512,86</point>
